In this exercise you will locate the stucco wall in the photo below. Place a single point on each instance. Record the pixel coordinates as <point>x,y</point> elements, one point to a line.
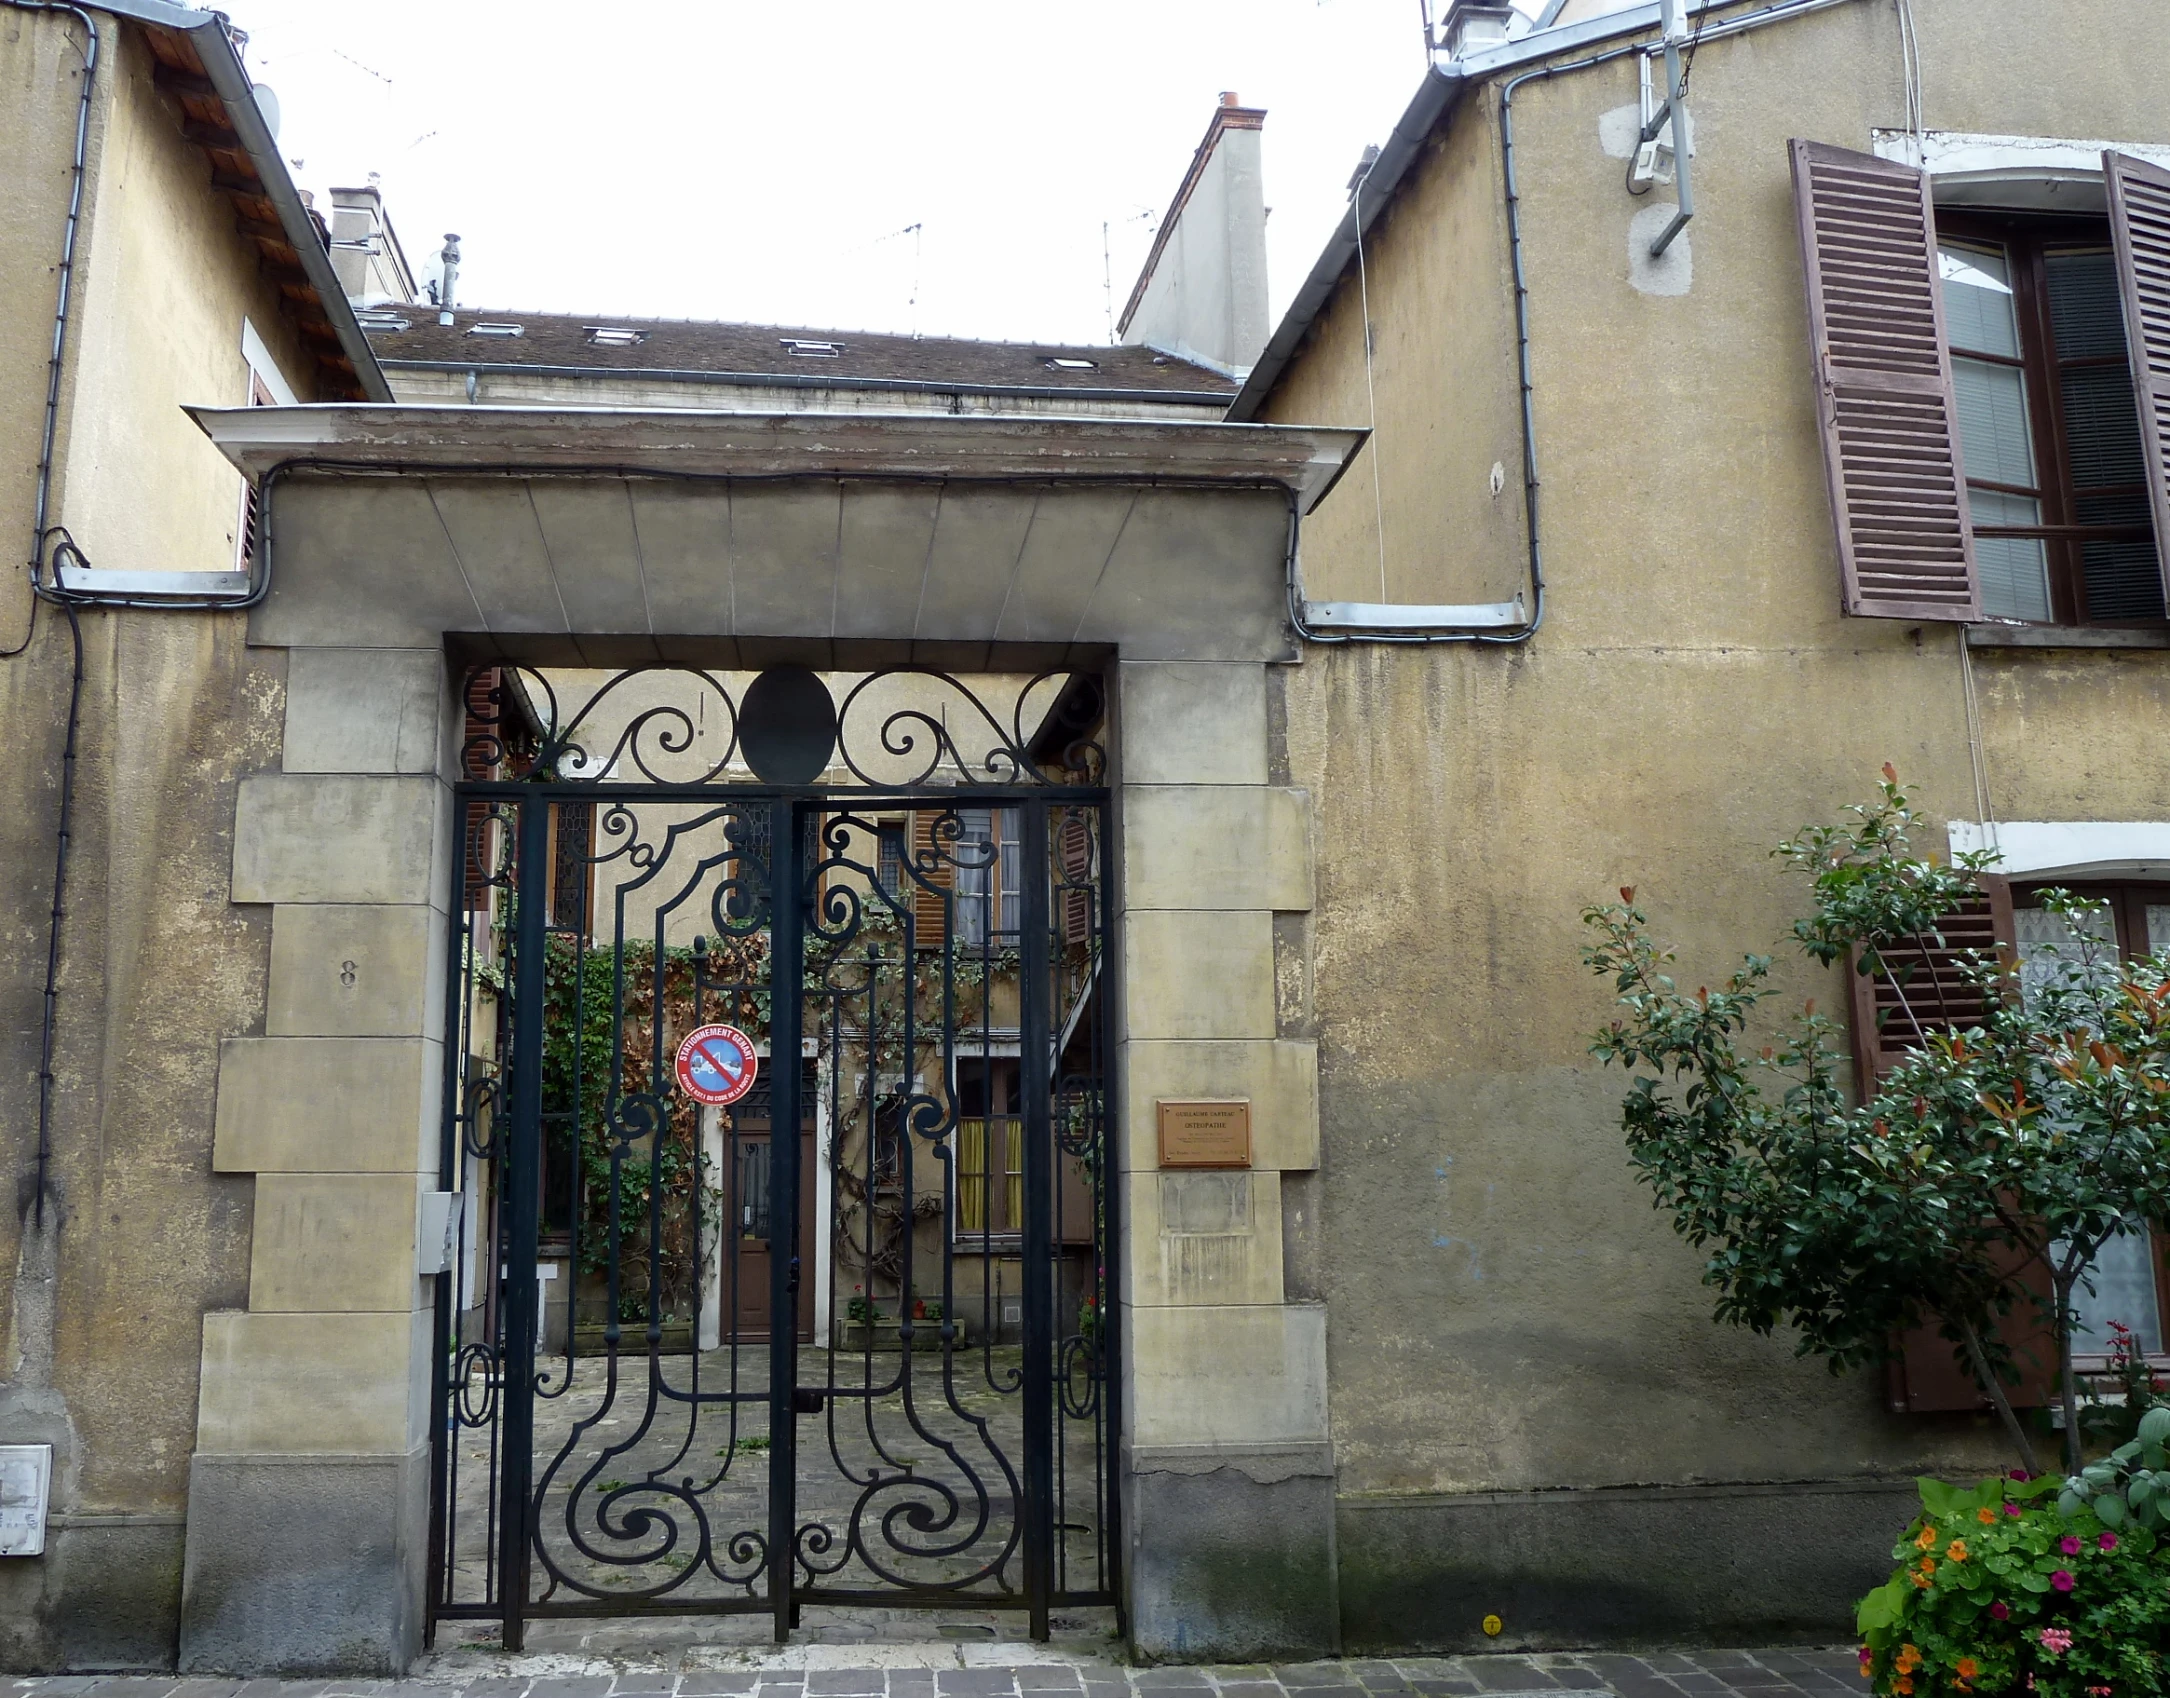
<point>1506,1312</point>
<point>104,1306</point>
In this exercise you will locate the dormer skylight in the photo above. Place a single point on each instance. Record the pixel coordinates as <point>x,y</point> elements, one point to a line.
<point>808,347</point>
<point>496,330</point>
<point>381,321</point>
<point>614,336</point>
<point>1068,362</point>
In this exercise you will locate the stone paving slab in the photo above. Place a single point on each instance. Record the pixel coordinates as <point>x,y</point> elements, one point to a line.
<point>999,1670</point>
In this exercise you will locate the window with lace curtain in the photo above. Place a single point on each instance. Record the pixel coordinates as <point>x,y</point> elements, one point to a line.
<point>2128,1273</point>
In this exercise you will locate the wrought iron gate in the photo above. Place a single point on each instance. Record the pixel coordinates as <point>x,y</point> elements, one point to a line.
<point>845,1339</point>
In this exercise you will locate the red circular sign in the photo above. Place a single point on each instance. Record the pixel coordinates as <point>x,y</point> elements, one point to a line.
<point>716,1065</point>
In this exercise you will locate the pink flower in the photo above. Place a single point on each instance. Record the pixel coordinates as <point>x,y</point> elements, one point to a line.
<point>2017,1474</point>
<point>1868,1659</point>
<point>2107,1542</point>
<point>2055,1640</point>
<point>2001,1610</point>
<point>2069,1544</point>
<point>2062,1580</point>
<point>2098,1692</point>
<point>2013,1509</point>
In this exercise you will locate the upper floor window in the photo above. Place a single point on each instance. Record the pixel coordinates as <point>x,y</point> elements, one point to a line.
<point>1994,394</point>
<point>2049,433</point>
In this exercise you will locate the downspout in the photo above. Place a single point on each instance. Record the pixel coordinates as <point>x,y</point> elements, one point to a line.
<point>1504,622</point>
<point>49,1021</point>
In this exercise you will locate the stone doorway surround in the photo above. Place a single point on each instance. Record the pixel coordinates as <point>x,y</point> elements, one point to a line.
<point>407,541</point>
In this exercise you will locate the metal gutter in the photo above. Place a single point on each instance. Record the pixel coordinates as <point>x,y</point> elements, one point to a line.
<point>808,380</point>
<point>206,33</point>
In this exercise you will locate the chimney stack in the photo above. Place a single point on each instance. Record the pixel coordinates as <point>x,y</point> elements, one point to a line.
<point>1202,293</point>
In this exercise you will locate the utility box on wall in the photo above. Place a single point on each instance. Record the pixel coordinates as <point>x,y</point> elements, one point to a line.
<point>26,1485</point>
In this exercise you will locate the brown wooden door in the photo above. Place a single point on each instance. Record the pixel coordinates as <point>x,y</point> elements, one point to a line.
<point>747,1243</point>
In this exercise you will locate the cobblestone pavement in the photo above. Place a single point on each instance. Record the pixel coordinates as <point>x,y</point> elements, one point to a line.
<point>992,1669</point>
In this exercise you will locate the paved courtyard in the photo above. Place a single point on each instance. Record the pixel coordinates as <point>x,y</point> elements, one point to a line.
<point>970,1668</point>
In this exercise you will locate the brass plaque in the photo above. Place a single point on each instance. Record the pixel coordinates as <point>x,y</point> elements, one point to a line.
<point>1205,1134</point>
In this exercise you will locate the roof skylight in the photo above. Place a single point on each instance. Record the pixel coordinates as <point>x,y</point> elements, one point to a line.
<point>810,347</point>
<point>496,330</point>
<point>1067,362</point>
<point>614,336</point>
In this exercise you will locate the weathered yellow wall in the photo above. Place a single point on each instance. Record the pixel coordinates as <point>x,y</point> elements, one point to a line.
<point>157,966</point>
<point>1506,1310</point>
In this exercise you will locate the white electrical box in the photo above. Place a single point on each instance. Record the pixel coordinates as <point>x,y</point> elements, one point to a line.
<point>26,1489</point>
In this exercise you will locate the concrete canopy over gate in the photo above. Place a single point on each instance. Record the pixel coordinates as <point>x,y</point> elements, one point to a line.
<point>1156,553</point>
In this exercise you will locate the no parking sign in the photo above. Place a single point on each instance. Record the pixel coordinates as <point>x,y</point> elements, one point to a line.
<point>716,1065</point>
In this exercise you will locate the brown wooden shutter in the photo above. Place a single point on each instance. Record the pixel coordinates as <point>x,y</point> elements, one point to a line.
<point>2140,228</point>
<point>1931,976</point>
<point>1884,386</point>
<point>1926,1377</point>
<point>1074,855</point>
<point>479,759</point>
<point>930,908</point>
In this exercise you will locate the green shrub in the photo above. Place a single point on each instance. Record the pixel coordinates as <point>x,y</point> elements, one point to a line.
<point>2001,1591</point>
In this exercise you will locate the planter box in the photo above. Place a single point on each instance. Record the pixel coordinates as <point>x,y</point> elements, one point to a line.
<point>926,1335</point>
<point>633,1339</point>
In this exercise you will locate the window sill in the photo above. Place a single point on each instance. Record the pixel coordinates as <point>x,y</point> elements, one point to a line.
<point>2068,637</point>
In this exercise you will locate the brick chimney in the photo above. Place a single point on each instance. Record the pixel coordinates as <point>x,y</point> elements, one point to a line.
<point>1202,294</point>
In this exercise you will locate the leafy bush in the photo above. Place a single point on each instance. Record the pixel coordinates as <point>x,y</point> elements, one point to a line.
<point>2001,1590</point>
<point>2131,1484</point>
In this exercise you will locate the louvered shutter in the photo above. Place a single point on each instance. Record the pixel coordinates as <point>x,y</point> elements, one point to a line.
<point>1074,856</point>
<point>1930,976</point>
<point>480,758</point>
<point>1884,386</point>
<point>2140,228</point>
<point>930,906</point>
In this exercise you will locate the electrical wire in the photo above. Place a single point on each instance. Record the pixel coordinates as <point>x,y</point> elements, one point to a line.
<point>40,530</point>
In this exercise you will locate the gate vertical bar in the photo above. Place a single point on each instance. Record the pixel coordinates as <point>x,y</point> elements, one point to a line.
<point>444,1326</point>
<point>520,1209</point>
<point>787,949</point>
<point>1036,1029</point>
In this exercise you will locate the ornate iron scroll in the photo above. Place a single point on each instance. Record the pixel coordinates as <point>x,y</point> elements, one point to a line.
<point>897,728</point>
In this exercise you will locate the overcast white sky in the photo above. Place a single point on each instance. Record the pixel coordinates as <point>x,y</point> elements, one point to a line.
<point>744,159</point>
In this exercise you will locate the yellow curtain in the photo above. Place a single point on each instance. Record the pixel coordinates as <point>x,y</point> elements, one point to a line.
<point>971,1176</point>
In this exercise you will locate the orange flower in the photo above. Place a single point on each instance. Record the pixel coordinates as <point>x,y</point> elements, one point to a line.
<point>1968,1668</point>
<point>1908,1659</point>
<point>1927,1539</point>
<point>1957,1552</point>
<point>1920,1580</point>
<point>1987,1517</point>
<point>1904,1686</point>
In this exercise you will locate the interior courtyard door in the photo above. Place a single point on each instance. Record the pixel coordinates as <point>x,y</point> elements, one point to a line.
<point>876,1372</point>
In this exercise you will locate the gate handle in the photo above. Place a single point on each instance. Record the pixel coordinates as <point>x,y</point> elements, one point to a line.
<point>805,1400</point>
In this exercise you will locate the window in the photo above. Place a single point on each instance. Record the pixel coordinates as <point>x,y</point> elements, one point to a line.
<point>502,330</point>
<point>889,856</point>
<point>1995,442</point>
<point>614,336</point>
<point>809,347</point>
<point>990,1149</point>
<point>989,861</point>
<point>2049,433</point>
<point>2128,1272</point>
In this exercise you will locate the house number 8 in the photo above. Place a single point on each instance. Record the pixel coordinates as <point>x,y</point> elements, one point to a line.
<point>346,974</point>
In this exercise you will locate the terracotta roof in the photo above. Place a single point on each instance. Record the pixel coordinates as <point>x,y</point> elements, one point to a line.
<point>694,348</point>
